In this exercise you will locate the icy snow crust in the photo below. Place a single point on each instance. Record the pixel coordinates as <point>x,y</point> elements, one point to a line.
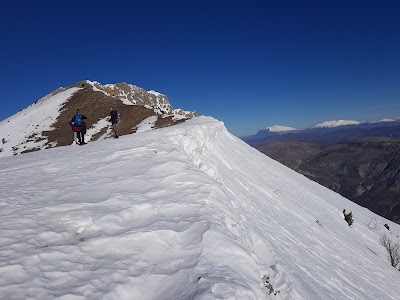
<point>185,212</point>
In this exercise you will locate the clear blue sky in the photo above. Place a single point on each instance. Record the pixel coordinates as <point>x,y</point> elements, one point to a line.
<point>250,64</point>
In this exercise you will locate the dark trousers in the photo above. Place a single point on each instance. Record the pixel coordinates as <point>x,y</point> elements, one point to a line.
<point>81,137</point>
<point>115,127</point>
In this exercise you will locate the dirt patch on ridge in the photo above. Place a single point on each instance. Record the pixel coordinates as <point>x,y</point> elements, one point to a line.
<point>95,106</point>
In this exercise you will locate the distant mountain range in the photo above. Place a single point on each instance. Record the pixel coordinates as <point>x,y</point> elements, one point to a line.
<point>360,161</point>
<point>328,133</point>
<point>44,124</point>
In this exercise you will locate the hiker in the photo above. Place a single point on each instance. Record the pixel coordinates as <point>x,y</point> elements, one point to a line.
<point>114,119</point>
<point>79,126</point>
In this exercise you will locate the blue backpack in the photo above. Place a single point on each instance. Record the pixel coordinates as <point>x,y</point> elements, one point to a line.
<point>78,121</point>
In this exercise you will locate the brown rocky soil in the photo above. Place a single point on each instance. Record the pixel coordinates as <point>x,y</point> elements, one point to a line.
<point>95,105</point>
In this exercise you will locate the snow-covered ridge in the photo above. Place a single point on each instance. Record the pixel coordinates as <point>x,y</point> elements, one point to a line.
<point>337,123</point>
<point>185,212</point>
<point>278,128</point>
<point>23,130</point>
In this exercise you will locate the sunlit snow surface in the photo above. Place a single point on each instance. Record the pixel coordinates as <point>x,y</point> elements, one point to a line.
<point>185,212</point>
<point>147,124</point>
<point>31,122</point>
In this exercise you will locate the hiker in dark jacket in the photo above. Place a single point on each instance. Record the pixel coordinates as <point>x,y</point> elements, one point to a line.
<point>114,119</point>
<point>79,126</point>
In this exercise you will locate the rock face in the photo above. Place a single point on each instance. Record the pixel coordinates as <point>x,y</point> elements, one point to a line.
<point>367,171</point>
<point>132,95</point>
<point>44,124</point>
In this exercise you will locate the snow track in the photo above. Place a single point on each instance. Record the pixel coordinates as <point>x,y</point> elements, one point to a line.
<point>186,212</point>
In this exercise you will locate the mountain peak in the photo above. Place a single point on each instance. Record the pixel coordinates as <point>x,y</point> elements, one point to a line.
<point>44,124</point>
<point>132,95</point>
<point>337,123</point>
<point>279,128</point>
<point>384,120</point>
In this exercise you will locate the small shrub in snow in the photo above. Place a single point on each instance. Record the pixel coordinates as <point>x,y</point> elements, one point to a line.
<point>372,224</point>
<point>348,217</point>
<point>268,286</point>
<point>393,250</point>
<point>4,140</point>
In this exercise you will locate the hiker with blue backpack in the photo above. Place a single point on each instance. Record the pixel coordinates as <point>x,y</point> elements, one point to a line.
<point>79,126</point>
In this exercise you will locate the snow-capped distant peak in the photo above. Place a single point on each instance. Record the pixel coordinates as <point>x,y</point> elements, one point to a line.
<point>384,120</point>
<point>337,123</point>
<point>278,128</point>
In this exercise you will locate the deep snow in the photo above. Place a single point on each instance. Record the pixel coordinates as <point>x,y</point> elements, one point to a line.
<point>185,212</point>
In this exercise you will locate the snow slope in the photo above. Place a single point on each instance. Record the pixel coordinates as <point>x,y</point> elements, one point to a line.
<point>27,125</point>
<point>185,212</point>
<point>147,124</point>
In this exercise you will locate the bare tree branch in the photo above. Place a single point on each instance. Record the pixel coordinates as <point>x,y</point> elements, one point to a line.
<point>393,250</point>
